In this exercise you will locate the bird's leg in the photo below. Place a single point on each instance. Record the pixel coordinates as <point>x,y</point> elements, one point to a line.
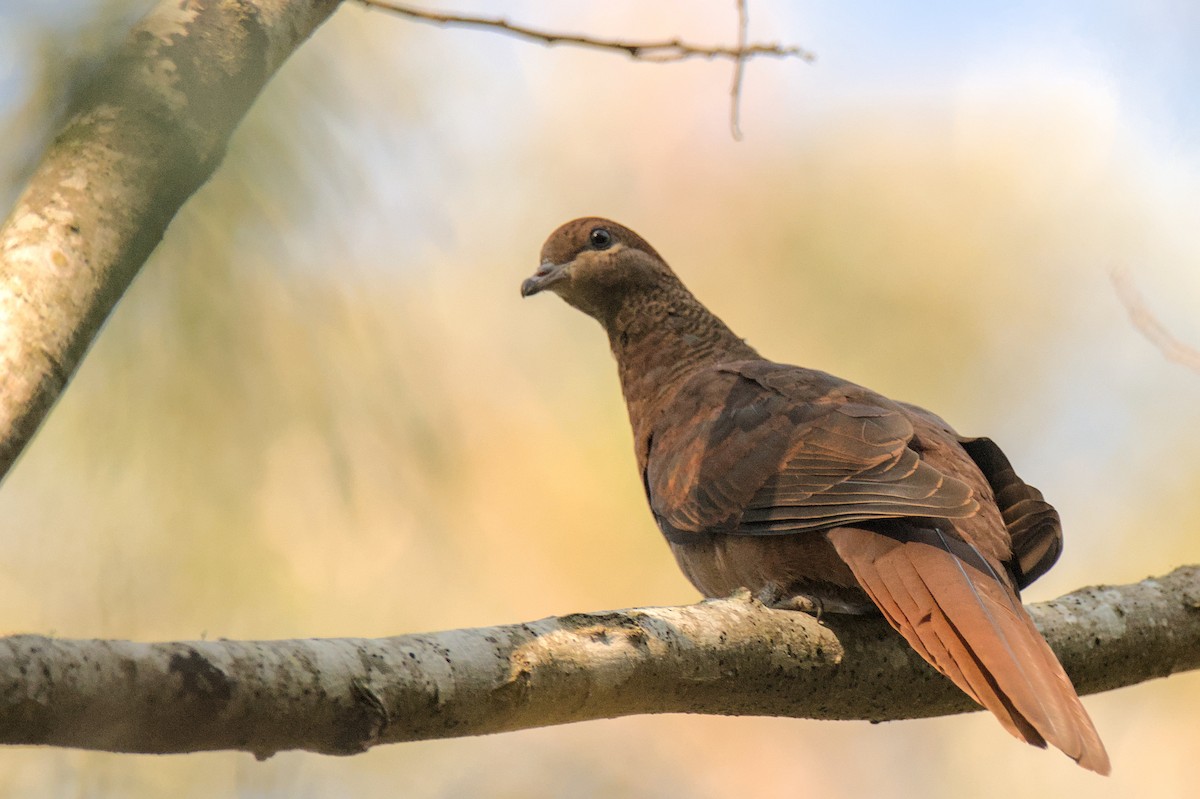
<point>804,604</point>
<point>773,596</point>
<point>740,595</point>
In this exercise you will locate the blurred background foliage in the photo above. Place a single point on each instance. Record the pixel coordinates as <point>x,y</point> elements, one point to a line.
<point>323,410</point>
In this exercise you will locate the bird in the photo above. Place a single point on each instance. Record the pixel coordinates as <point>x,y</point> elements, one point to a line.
<point>818,494</point>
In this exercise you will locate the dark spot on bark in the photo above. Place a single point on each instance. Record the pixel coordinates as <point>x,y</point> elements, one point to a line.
<point>584,622</point>
<point>200,680</point>
<point>365,721</point>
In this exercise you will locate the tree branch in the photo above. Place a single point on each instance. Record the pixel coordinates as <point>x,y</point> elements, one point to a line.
<point>731,657</point>
<point>739,70</point>
<point>152,129</point>
<point>662,51</point>
<point>148,133</point>
<point>1149,325</point>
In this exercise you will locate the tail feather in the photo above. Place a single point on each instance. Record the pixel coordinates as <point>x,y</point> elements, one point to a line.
<point>894,586</point>
<point>972,628</point>
<point>953,655</point>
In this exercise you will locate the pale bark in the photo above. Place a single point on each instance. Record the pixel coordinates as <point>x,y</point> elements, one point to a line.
<point>732,656</point>
<point>148,133</point>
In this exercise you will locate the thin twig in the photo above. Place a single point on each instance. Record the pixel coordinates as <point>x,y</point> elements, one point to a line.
<point>663,51</point>
<point>1148,324</point>
<point>739,68</point>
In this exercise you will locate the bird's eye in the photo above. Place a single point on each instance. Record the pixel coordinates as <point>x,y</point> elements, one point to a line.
<point>600,239</point>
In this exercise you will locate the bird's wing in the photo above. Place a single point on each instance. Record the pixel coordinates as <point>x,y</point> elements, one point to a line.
<point>1032,523</point>
<point>758,448</point>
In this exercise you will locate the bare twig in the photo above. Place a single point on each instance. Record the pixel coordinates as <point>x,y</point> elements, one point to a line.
<point>1148,324</point>
<point>666,50</point>
<point>739,68</point>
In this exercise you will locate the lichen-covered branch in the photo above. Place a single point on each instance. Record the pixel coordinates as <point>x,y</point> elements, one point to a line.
<point>149,131</point>
<point>732,656</point>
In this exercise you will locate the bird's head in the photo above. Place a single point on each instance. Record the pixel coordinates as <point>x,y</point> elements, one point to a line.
<point>594,264</point>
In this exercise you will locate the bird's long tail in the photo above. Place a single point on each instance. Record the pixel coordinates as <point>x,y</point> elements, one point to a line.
<point>972,627</point>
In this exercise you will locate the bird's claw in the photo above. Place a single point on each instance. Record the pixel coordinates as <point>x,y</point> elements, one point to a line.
<point>773,597</point>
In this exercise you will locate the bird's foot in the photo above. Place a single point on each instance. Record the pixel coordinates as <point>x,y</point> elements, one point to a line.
<point>773,597</point>
<point>743,595</point>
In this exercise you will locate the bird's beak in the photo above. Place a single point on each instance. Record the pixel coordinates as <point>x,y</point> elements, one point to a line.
<point>546,276</point>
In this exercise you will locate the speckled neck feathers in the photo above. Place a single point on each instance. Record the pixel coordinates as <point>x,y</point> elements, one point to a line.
<point>660,335</point>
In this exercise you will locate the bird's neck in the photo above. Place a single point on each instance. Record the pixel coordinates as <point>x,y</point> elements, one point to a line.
<point>662,336</point>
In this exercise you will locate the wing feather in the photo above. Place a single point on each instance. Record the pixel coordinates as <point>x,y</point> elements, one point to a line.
<point>767,458</point>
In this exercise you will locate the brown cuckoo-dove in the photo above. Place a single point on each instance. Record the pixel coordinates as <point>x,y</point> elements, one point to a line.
<point>814,492</point>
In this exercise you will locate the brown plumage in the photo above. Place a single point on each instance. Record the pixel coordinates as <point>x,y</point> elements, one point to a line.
<point>813,491</point>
